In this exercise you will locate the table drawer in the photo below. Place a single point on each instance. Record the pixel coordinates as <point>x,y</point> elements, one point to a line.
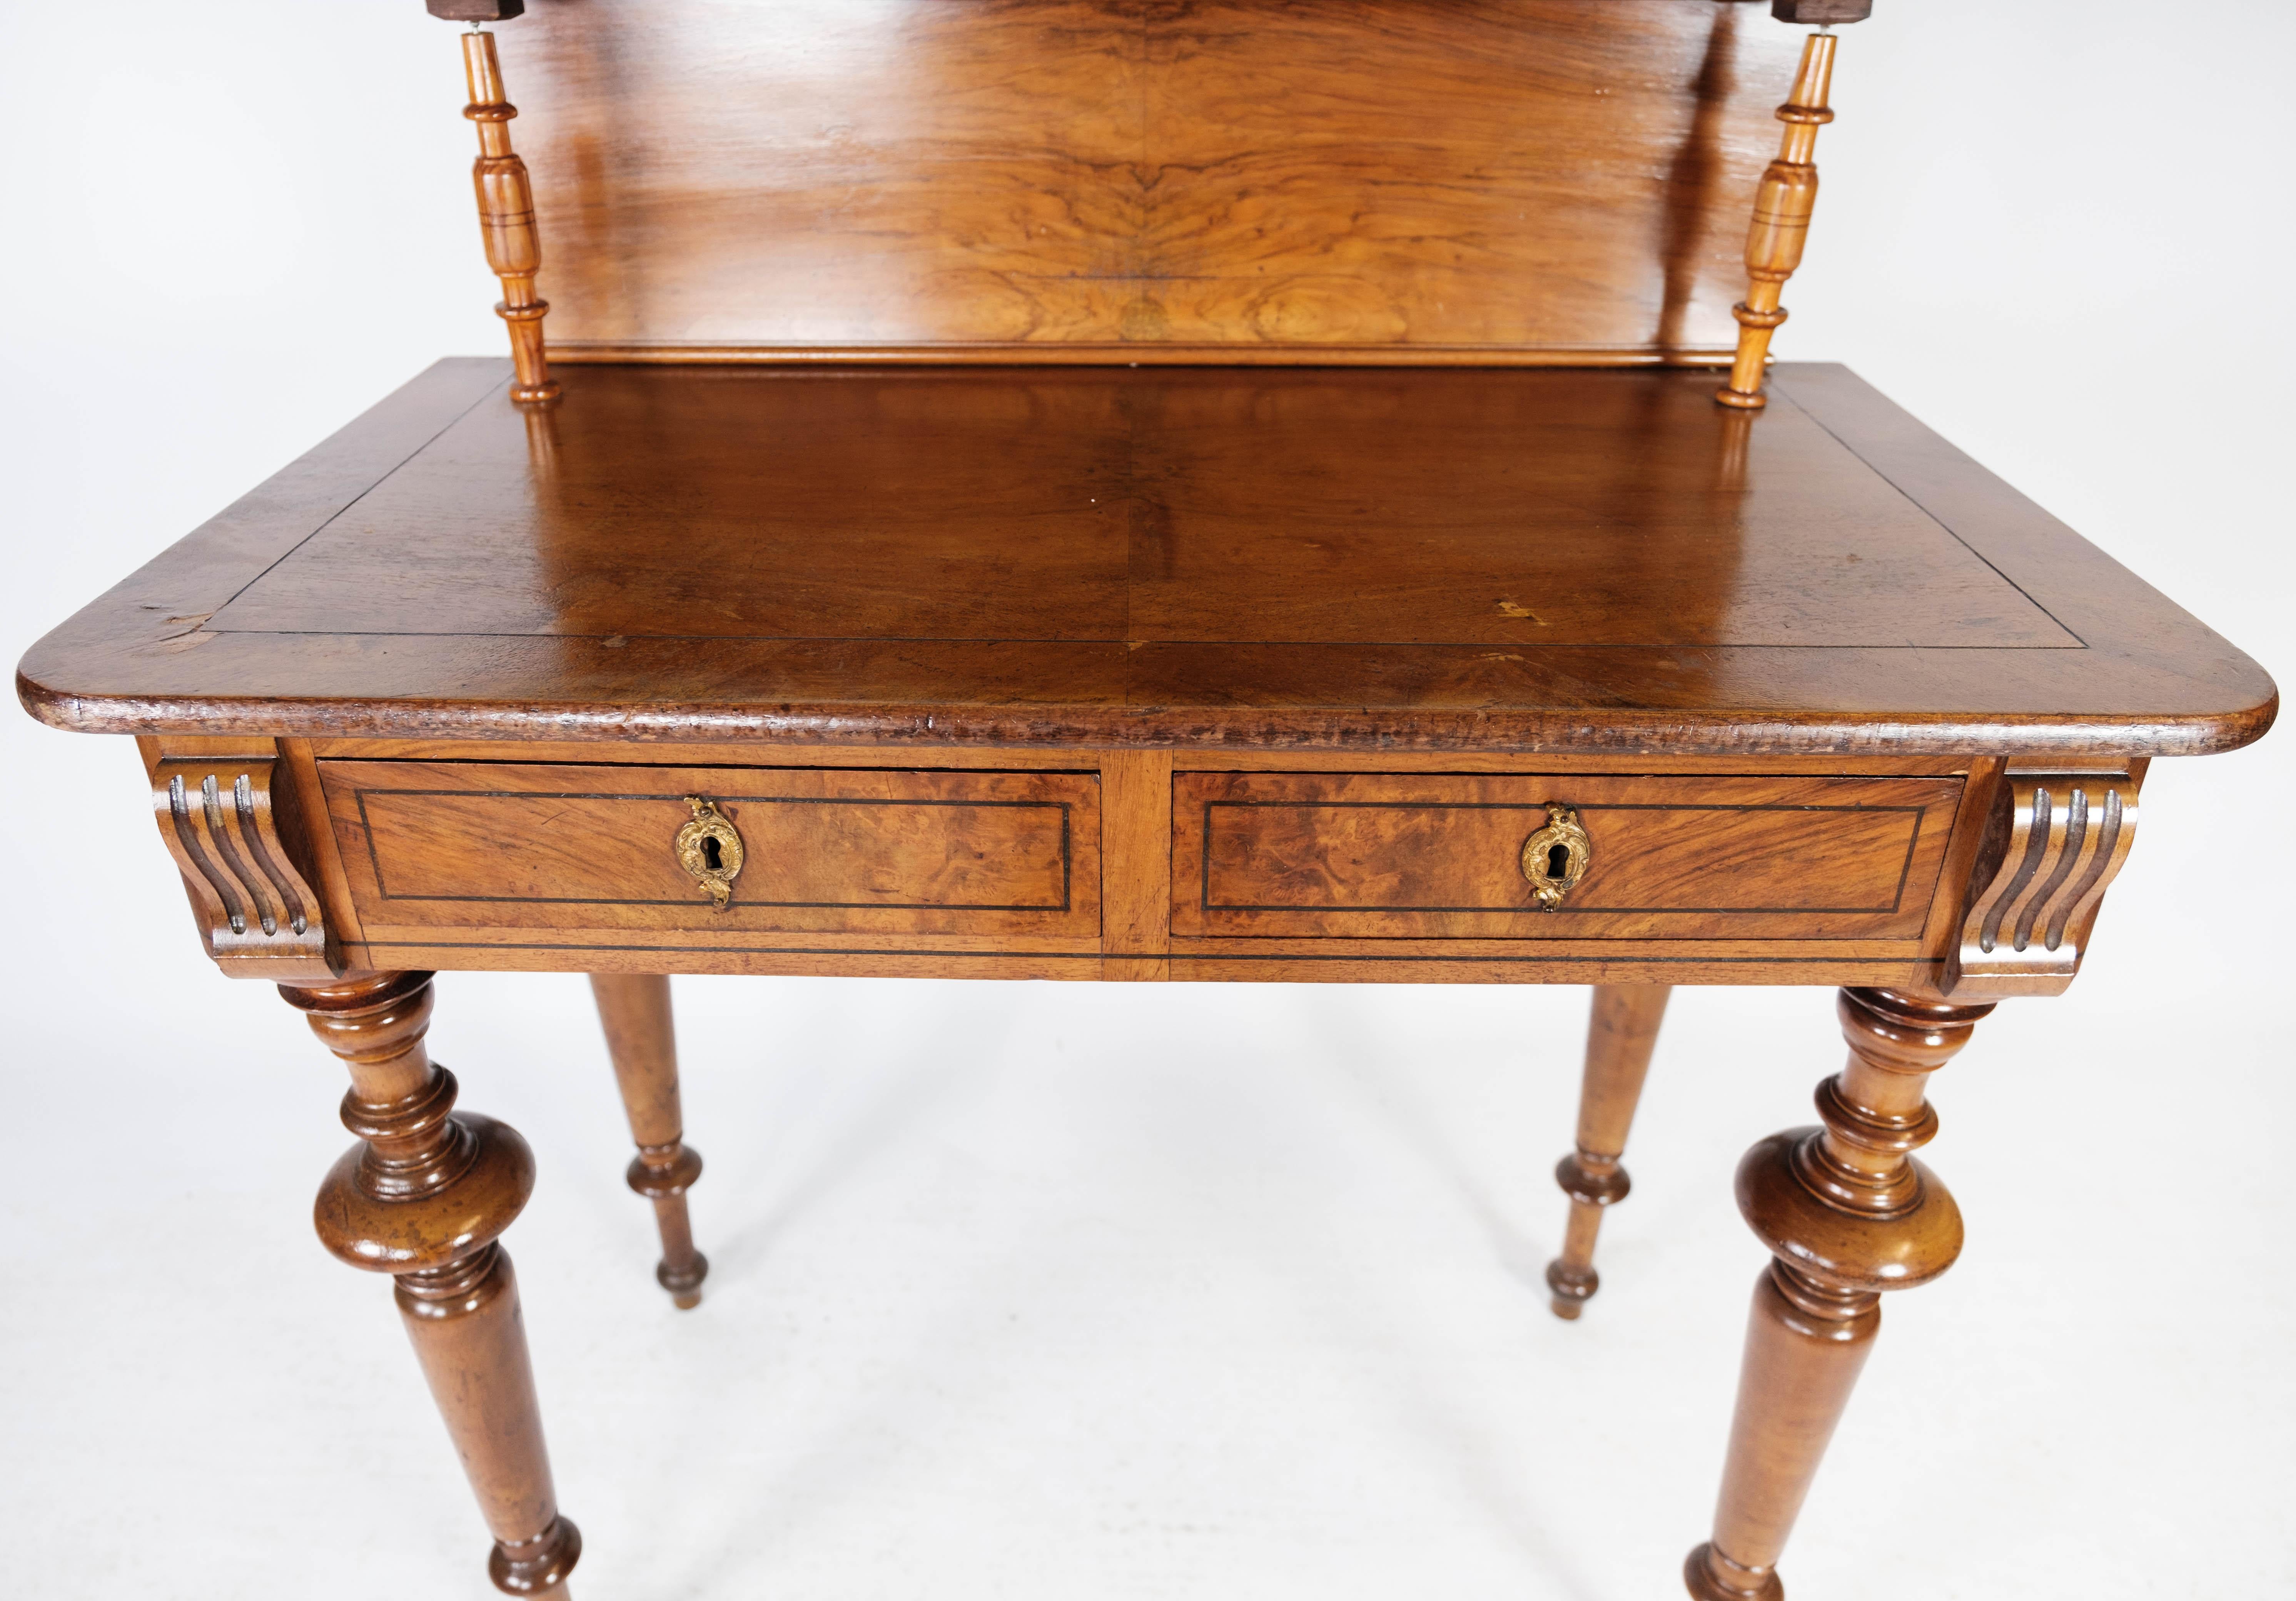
<point>1365,855</point>
<point>506,845</point>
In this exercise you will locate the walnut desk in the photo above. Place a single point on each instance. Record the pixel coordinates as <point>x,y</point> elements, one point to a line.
<point>1014,664</point>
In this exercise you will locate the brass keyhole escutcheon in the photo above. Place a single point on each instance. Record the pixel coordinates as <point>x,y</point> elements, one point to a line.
<point>1556,857</point>
<point>709,848</point>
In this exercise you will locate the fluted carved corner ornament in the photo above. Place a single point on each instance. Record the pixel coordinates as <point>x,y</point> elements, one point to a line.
<point>2053,847</point>
<point>259,916</point>
<point>506,196</point>
<point>1787,197</point>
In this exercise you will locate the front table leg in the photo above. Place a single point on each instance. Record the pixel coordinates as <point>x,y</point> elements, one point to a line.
<point>423,1198</point>
<point>1847,1213</point>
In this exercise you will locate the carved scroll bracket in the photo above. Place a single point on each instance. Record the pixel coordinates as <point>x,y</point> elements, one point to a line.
<point>2053,847</point>
<point>259,916</point>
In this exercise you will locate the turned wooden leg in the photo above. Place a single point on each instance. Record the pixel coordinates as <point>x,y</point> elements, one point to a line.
<point>1619,1042</point>
<point>423,1197</point>
<point>1847,1213</point>
<point>634,1009</point>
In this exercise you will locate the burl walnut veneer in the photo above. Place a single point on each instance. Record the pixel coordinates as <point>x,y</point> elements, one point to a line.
<point>1115,489</point>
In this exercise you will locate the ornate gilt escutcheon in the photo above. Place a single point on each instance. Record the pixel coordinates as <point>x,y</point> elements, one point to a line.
<point>710,850</point>
<point>1555,857</point>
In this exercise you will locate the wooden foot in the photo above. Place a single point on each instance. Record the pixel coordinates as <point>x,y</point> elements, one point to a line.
<point>1847,1213</point>
<point>1619,1040</point>
<point>423,1197</point>
<point>639,1037</point>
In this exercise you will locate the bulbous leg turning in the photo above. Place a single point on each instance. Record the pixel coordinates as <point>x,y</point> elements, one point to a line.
<point>1847,1214</point>
<point>424,1197</point>
<point>1620,1038</point>
<point>641,1038</point>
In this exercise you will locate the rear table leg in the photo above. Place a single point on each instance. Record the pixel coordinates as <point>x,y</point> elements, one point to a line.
<point>634,1009</point>
<point>1619,1042</point>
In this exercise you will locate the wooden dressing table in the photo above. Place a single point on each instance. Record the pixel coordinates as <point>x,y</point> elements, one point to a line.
<point>1131,490</point>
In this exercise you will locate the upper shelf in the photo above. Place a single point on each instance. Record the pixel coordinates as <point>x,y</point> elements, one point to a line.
<point>1528,559</point>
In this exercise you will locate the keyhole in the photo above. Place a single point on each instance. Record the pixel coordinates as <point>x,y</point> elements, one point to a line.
<point>1558,862</point>
<point>712,853</point>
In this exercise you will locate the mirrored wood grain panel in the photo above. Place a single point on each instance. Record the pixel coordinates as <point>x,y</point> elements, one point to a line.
<point>1484,180</point>
<point>498,846</point>
<point>1441,855</point>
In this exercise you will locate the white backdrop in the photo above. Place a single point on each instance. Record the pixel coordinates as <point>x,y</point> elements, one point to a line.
<point>1044,1292</point>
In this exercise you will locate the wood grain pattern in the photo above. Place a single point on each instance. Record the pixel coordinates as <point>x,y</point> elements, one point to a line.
<point>511,846</point>
<point>1498,180</point>
<point>1369,855</point>
<point>1136,851</point>
<point>1392,560</point>
<point>1511,510</point>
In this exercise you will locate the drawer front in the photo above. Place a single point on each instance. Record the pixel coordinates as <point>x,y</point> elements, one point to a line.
<point>488,845</point>
<point>1366,855</point>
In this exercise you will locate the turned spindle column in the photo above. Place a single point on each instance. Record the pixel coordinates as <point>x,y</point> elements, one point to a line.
<point>423,1197</point>
<point>1782,211</point>
<point>1620,1036</point>
<point>641,1038</point>
<point>1847,1213</point>
<point>506,197</point>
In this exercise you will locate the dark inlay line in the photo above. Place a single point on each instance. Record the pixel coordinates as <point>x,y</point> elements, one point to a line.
<point>1068,866</point>
<point>1176,955</point>
<point>1897,900</point>
<point>1001,639</point>
<point>1785,389</point>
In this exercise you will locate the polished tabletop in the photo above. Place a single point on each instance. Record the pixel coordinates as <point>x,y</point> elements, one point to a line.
<point>1524,557</point>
